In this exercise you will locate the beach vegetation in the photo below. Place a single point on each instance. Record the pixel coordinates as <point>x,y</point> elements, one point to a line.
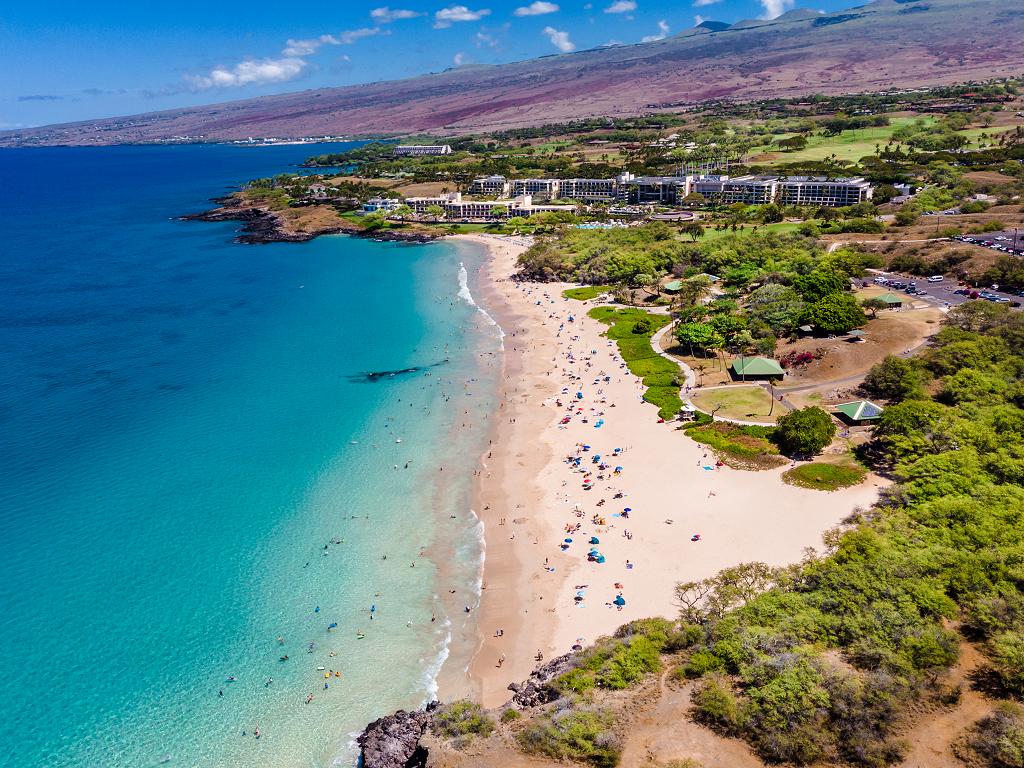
<point>895,379</point>
<point>804,432</point>
<point>998,740</point>
<point>826,659</point>
<point>568,731</point>
<point>820,476</point>
<point>613,663</point>
<point>632,330</point>
<point>462,718</point>
<point>586,292</point>
<point>739,446</point>
<point>510,715</point>
<point>715,705</point>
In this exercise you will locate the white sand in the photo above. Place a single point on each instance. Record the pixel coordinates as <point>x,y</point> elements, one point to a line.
<point>740,516</point>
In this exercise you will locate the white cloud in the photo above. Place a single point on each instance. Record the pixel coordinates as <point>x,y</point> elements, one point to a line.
<point>446,16</point>
<point>698,20</point>
<point>294,48</point>
<point>560,40</point>
<point>663,30</point>
<point>537,8</point>
<point>459,59</point>
<point>386,15</point>
<point>249,72</point>
<point>702,3</point>
<point>775,8</point>
<point>621,6</point>
<point>270,70</point>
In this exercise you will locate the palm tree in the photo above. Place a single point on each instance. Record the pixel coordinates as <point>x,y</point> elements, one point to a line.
<point>700,368</point>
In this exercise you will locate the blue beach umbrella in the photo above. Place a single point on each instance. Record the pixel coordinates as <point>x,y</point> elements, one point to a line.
<point>594,540</point>
<point>567,541</point>
<point>619,600</point>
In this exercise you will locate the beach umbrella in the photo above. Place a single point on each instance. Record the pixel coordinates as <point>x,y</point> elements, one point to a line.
<point>600,558</point>
<point>619,600</point>
<point>594,540</point>
<point>567,541</point>
<point>628,509</point>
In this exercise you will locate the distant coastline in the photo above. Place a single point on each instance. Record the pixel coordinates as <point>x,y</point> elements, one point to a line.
<point>261,225</point>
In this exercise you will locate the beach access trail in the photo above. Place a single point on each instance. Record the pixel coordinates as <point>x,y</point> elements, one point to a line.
<point>541,592</point>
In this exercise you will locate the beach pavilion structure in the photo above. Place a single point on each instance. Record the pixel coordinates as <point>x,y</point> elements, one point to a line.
<point>859,412</point>
<point>756,368</point>
<point>891,300</point>
<point>673,287</point>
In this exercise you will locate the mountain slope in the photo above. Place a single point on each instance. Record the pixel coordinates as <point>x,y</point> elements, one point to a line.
<point>888,43</point>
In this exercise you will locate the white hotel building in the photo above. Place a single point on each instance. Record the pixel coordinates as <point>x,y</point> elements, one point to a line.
<point>457,208</point>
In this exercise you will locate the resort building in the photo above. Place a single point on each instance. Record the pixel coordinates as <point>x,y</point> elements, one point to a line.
<point>387,204</point>
<point>819,190</point>
<point>421,150</point>
<point>490,186</point>
<point>547,189</point>
<point>455,207</point>
<point>589,190</point>
<point>668,190</point>
<point>792,190</point>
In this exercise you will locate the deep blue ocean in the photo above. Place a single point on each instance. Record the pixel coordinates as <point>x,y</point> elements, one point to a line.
<point>197,479</point>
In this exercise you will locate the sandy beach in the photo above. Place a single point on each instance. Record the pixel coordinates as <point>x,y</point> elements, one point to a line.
<point>542,594</point>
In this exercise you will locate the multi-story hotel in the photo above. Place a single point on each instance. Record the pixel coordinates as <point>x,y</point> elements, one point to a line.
<point>457,208</point>
<point>672,190</point>
<point>490,186</point>
<point>819,190</point>
<point>547,189</point>
<point>420,150</point>
<point>589,190</point>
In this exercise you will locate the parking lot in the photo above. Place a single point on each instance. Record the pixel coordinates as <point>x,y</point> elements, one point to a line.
<point>1010,242</point>
<point>943,293</point>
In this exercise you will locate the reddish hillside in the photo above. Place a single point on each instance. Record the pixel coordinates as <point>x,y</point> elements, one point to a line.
<point>889,43</point>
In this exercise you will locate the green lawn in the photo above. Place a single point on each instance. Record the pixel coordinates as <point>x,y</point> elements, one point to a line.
<point>586,292</point>
<point>659,375</point>
<point>848,145</point>
<point>750,403</point>
<point>825,477</point>
<point>710,233</point>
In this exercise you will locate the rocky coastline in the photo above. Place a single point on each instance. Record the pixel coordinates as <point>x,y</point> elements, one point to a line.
<point>401,740</point>
<point>261,225</point>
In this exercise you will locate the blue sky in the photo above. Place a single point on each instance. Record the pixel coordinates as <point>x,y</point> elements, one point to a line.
<point>63,61</point>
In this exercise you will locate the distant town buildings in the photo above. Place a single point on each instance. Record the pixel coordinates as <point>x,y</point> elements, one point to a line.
<point>421,150</point>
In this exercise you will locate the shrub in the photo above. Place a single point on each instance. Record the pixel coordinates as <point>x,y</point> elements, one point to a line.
<point>999,738</point>
<point>613,663</point>
<point>510,715</point>
<point>715,705</point>
<point>462,718</point>
<point>642,326</point>
<point>584,735</point>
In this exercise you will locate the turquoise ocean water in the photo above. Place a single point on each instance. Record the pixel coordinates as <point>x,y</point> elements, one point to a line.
<point>192,465</point>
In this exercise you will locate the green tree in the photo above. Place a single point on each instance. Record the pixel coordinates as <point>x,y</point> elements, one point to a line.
<point>894,379</point>
<point>777,306</point>
<point>693,229</point>
<point>874,304</point>
<point>836,313</point>
<point>771,214</point>
<point>436,212</point>
<point>805,432</point>
<point>701,336</point>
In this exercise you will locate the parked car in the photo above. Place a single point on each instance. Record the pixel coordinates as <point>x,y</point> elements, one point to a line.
<point>936,279</point>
